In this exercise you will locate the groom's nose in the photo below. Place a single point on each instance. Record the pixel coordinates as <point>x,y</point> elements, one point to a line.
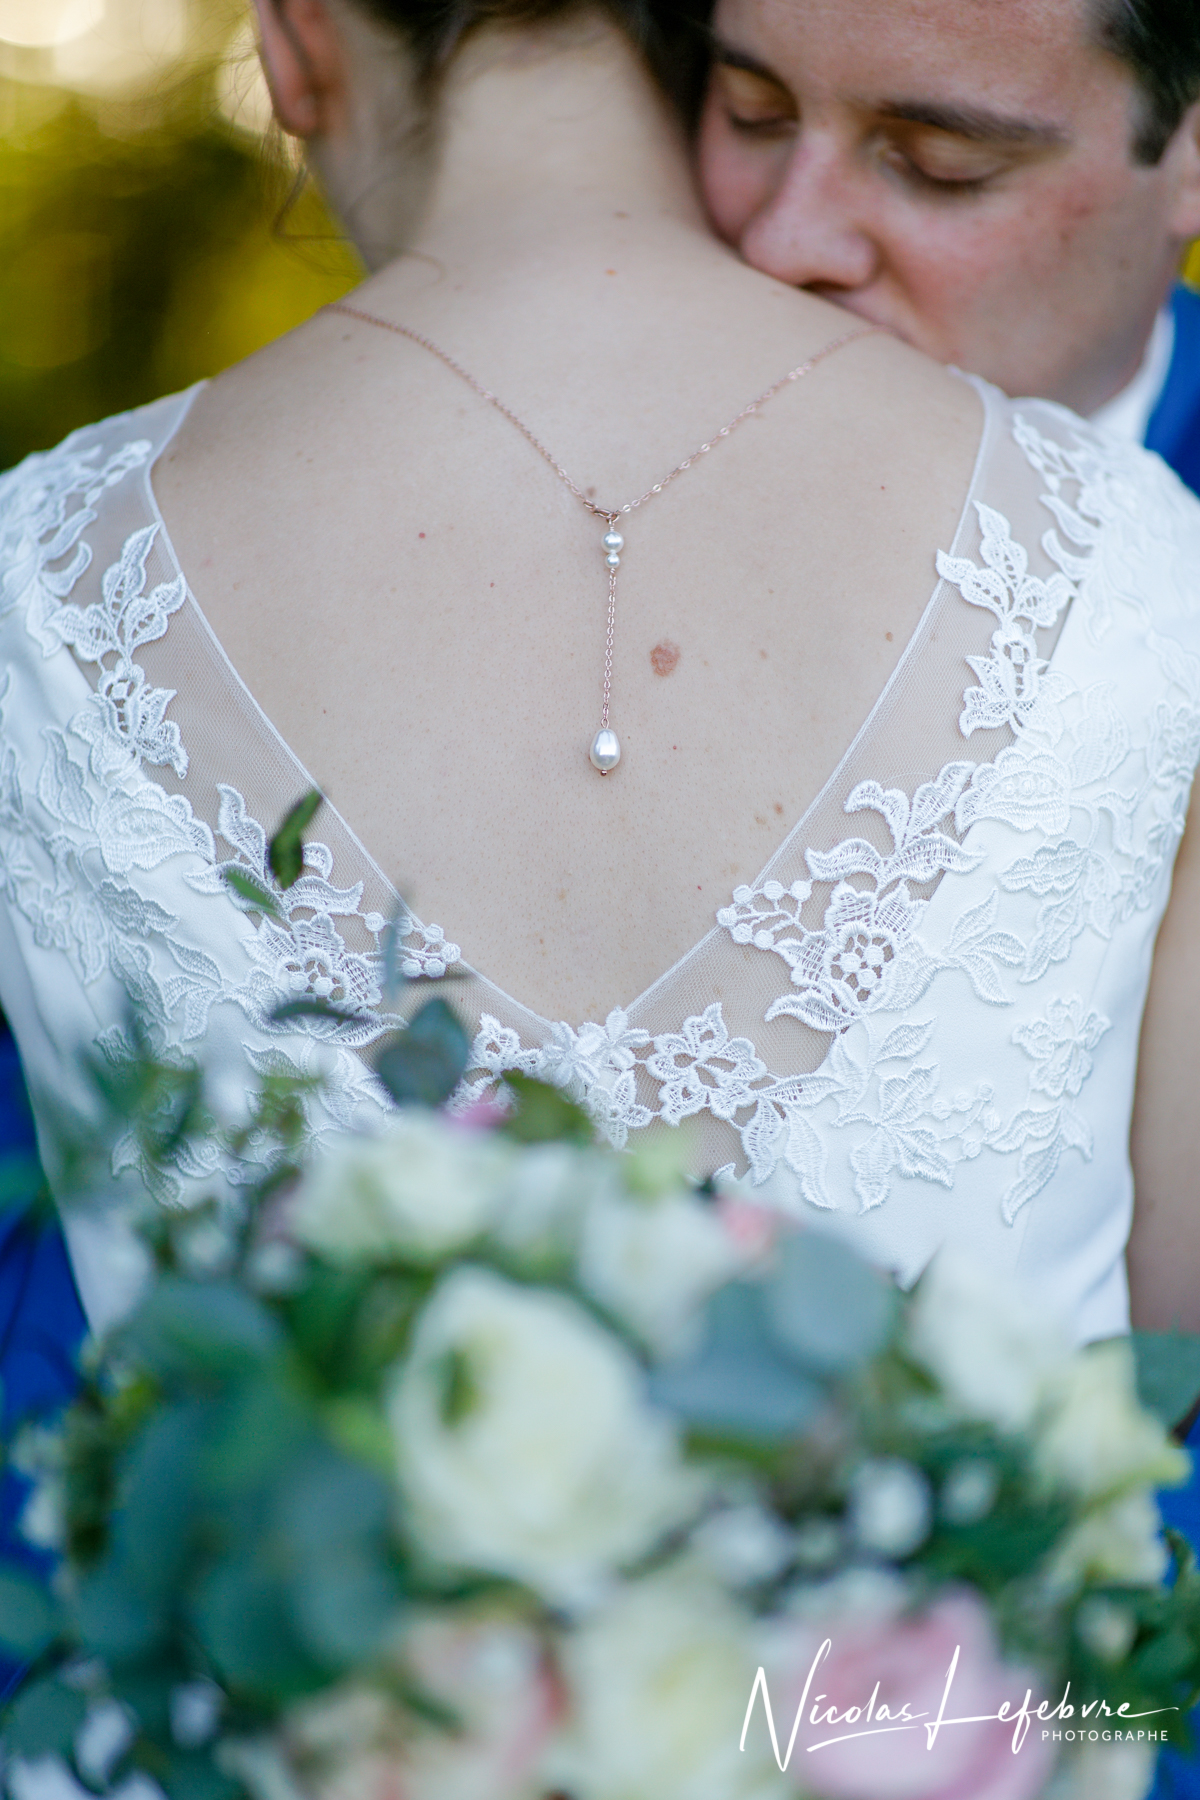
<point>811,231</point>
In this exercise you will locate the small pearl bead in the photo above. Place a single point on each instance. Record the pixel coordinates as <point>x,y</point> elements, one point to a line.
<point>613,560</point>
<point>605,752</point>
<point>613,540</point>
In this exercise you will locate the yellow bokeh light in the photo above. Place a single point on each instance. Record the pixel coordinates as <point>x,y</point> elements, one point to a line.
<point>47,24</point>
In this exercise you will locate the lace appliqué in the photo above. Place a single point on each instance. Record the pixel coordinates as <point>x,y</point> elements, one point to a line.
<point>71,840</point>
<point>865,959</point>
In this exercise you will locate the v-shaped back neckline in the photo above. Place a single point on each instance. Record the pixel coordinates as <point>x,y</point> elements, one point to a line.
<point>305,781</point>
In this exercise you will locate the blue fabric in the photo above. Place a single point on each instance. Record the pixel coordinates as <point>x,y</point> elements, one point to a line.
<point>41,1320</point>
<point>1174,431</point>
<point>1174,428</point>
<point>1179,1776</point>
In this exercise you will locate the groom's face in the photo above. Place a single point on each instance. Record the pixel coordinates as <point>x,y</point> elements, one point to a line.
<point>961,172</point>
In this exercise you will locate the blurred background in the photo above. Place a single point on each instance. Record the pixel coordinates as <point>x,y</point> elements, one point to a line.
<point>153,226</point>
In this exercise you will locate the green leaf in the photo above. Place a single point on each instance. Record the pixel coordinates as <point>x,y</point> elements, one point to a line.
<point>1168,1372</point>
<point>543,1114</point>
<point>248,889</point>
<point>29,1616</point>
<point>995,1550</point>
<point>825,1306</point>
<point>344,1604</point>
<point>243,1618</point>
<point>738,1385</point>
<point>285,853</point>
<point>425,1062</point>
<point>193,1775</point>
<point>328,1500</point>
<point>201,1328</point>
<point>44,1719</point>
<point>114,1622</point>
<point>311,1006</point>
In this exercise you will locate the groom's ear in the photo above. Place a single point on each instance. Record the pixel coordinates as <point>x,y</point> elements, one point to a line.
<point>304,61</point>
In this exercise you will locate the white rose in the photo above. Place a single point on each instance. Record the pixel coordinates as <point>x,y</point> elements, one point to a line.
<point>654,1261</point>
<point>545,1194</point>
<point>1120,1541</point>
<point>657,1687</point>
<point>422,1188</point>
<point>973,1332</point>
<point>1095,1437</point>
<point>523,1441</point>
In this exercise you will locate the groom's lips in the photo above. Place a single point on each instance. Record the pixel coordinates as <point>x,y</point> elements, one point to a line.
<point>853,304</point>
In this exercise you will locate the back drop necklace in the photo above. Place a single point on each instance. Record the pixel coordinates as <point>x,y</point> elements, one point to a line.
<point>605,751</point>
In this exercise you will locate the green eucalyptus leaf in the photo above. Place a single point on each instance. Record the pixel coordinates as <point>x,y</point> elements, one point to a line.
<point>260,1427</point>
<point>543,1114</point>
<point>44,1719</point>
<point>311,1006</point>
<point>328,1500</point>
<point>113,1620</point>
<point>425,1062</point>
<point>1168,1372</point>
<point>194,1775</point>
<point>825,1306</point>
<point>246,888</point>
<point>242,1615</point>
<point>30,1618</point>
<point>1006,1545</point>
<point>152,1531</point>
<point>285,852</point>
<point>345,1603</point>
<point>738,1384</point>
<point>201,1329</point>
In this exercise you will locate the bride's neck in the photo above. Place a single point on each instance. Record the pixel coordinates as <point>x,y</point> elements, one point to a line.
<point>544,136</point>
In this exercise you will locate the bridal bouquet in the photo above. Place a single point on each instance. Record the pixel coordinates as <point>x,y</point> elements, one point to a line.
<point>471,1461</point>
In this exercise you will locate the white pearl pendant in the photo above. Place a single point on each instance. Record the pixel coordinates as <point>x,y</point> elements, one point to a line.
<point>605,752</point>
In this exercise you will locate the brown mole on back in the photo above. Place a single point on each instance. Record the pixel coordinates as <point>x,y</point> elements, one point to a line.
<point>664,657</point>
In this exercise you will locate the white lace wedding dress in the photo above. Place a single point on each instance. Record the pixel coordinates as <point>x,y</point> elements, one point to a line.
<point>919,1023</point>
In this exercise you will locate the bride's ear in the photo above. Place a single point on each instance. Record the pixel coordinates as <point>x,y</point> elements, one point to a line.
<point>304,63</point>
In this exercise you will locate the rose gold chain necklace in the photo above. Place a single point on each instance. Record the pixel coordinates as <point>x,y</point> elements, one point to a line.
<point>605,752</point>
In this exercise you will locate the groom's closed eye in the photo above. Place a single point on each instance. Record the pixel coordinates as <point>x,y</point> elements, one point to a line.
<point>945,150</point>
<point>956,149</point>
<point>752,100</point>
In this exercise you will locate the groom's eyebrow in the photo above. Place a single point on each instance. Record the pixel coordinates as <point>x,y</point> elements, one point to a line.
<point>731,58</point>
<point>976,124</point>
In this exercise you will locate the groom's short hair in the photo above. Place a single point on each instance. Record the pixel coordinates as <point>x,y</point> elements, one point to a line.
<point>1160,42</point>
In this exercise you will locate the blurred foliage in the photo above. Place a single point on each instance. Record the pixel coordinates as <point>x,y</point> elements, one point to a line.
<point>152,231</point>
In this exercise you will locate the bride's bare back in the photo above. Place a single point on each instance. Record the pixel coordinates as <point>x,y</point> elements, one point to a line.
<point>418,605</point>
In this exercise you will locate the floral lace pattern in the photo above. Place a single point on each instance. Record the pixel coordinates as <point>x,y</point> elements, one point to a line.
<point>864,936</point>
<point>867,959</point>
<point>73,838</point>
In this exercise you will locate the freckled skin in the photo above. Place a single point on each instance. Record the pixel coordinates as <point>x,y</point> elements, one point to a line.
<point>1038,263</point>
<point>664,657</point>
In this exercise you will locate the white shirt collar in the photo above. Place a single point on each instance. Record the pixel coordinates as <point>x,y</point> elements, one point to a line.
<point>1127,414</point>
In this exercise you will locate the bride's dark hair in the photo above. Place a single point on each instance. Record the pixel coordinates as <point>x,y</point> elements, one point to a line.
<point>663,30</point>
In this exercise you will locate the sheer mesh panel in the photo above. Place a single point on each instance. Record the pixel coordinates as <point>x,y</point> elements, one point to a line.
<point>911,733</point>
